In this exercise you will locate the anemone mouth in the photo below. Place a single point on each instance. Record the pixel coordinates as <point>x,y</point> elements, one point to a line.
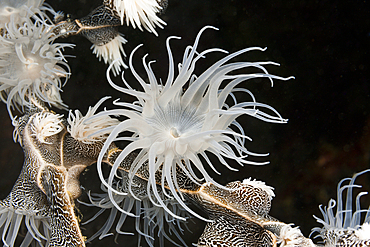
<point>172,123</point>
<point>7,11</point>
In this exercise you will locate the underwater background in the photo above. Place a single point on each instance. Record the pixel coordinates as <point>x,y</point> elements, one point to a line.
<point>324,44</point>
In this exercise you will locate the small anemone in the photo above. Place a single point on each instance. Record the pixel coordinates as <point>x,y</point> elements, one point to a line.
<point>139,13</point>
<point>31,64</point>
<point>150,221</point>
<point>88,131</point>
<point>11,222</point>
<point>260,184</point>
<point>346,221</point>
<point>363,232</point>
<point>250,196</point>
<point>16,11</point>
<point>291,237</point>
<point>46,124</point>
<point>183,122</point>
<point>111,52</point>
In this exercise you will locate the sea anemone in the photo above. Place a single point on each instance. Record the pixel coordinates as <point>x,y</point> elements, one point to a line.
<point>11,220</point>
<point>100,27</point>
<point>26,201</point>
<point>49,181</point>
<point>150,221</point>
<point>111,52</point>
<point>344,226</point>
<point>292,237</point>
<point>92,131</point>
<point>177,124</point>
<point>32,66</point>
<point>16,11</point>
<point>243,204</point>
<point>139,12</point>
<point>46,124</point>
<point>240,215</point>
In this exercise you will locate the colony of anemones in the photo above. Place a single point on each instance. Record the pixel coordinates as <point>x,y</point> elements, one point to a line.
<point>177,124</point>
<point>32,71</point>
<point>181,126</point>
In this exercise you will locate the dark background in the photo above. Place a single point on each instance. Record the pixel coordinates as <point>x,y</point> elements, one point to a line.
<point>324,44</point>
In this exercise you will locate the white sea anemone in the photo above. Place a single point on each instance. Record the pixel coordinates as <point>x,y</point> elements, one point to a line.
<point>17,11</point>
<point>176,124</point>
<point>292,237</point>
<point>262,185</point>
<point>363,232</point>
<point>111,51</point>
<point>344,223</point>
<point>86,131</point>
<point>11,221</point>
<point>139,12</point>
<point>32,66</point>
<point>46,124</point>
<point>150,221</point>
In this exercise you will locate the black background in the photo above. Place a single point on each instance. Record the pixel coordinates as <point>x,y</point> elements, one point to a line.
<point>324,44</point>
